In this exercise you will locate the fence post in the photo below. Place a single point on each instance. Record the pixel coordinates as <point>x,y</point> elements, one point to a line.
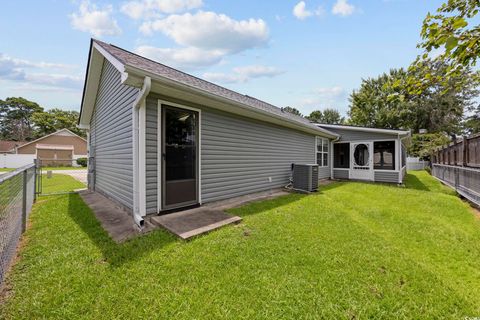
<point>457,177</point>
<point>24,201</point>
<point>35,181</point>
<point>465,151</point>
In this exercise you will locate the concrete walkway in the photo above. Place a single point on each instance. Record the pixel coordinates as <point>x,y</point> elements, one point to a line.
<point>80,175</point>
<point>114,219</point>
<point>185,224</point>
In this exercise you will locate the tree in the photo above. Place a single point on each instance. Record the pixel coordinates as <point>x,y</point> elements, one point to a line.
<point>332,116</point>
<point>422,145</point>
<point>451,28</point>
<point>380,102</point>
<point>16,118</point>
<point>328,116</point>
<point>292,110</point>
<point>315,116</point>
<point>471,124</point>
<point>387,102</point>
<point>453,32</point>
<point>56,119</point>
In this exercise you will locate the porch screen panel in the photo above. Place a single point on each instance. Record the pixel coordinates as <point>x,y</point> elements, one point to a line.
<point>384,155</point>
<point>341,155</point>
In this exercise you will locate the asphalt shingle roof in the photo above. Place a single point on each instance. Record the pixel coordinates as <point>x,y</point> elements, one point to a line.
<point>134,60</point>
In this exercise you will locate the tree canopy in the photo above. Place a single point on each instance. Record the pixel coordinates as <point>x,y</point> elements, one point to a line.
<point>24,120</point>
<point>386,102</point>
<point>292,110</point>
<point>454,31</point>
<point>328,116</point>
<point>56,119</point>
<point>16,118</point>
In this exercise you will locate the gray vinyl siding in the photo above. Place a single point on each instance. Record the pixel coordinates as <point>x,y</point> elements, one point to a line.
<point>340,174</point>
<point>386,176</point>
<point>324,172</point>
<point>354,135</point>
<point>151,155</point>
<point>239,155</point>
<point>111,137</point>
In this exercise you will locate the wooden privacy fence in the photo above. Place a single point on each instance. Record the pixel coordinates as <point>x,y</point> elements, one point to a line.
<point>464,152</point>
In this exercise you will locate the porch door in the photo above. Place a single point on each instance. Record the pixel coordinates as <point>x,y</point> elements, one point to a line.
<point>179,157</point>
<point>361,161</point>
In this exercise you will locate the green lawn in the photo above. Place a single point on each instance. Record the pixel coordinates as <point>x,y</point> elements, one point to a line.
<point>6,169</point>
<point>60,183</point>
<point>352,251</point>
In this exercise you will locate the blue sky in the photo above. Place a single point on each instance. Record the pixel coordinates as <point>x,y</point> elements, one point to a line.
<point>306,54</point>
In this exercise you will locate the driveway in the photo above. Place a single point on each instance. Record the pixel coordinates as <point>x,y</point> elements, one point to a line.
<point>80,175</point>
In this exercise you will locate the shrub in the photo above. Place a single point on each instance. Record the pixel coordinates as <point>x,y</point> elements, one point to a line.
<point>82,162</point>
<point>429,170</point>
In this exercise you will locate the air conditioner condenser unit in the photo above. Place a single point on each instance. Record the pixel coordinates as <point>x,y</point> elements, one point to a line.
<point>305,177</point>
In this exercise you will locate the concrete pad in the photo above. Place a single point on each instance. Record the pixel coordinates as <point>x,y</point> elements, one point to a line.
<point>185,224</point>
<point>114,219</point>
<point>189,223</point>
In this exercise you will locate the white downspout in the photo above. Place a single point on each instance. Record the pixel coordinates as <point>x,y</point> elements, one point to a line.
<point>138,119</point>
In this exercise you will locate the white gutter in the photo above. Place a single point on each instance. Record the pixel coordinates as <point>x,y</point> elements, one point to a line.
<point>139,178</point>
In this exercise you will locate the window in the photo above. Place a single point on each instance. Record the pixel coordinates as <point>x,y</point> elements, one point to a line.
<point>341,155</point>
<point>384,155</point>
<point>322,152</point>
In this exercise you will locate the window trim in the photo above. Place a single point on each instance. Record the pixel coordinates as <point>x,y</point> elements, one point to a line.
<point>325,141</point>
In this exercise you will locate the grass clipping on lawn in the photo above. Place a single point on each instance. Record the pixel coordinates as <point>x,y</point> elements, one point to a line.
<point>353,250</point>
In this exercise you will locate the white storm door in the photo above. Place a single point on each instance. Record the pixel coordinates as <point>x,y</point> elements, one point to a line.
<point>361,161</point>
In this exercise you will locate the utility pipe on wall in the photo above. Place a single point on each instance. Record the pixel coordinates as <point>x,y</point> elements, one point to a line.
<point>138,118</point>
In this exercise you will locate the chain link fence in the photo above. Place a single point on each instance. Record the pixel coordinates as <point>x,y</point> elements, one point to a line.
<point>17,194</point>
<point>466,181</point>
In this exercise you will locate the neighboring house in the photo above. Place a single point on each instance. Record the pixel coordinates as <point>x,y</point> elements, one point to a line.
<point>8,146</point>
<point>160,139</point>
<point>60,145</point>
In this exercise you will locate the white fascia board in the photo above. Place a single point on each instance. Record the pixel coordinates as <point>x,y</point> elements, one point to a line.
<point>365,129</point>
<point>116,63</point>
<point>135,74</point>
<point>94,73</point>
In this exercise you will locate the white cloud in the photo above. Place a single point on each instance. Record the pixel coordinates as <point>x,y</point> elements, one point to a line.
<point>183,58</point>
<point>205,38</point>
<point>343,8</point>
<point>54,80</point>
<point>326,96</point>
<point>211,31</point>
<point>331,91</point>
<point>98,22</point>
<point>300,11</point>
<point>146,9</point>
<point>243,74</point>
<point>21,70</point>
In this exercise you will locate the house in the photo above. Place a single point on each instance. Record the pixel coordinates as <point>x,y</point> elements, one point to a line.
<point>9,146</point>
<point>52,148</point>
<point>160,139</point>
